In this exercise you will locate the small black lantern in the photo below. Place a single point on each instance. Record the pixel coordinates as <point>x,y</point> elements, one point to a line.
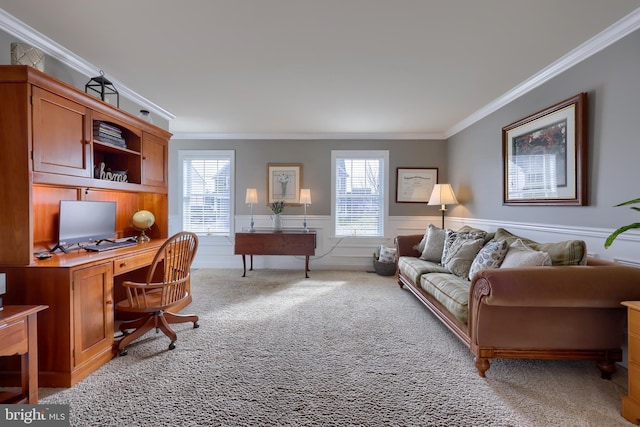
<point>103,87</point>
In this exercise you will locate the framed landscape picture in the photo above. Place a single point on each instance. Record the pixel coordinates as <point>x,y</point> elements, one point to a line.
<point>283,183</point>
<point>545,156</point>
<point>414,185</point>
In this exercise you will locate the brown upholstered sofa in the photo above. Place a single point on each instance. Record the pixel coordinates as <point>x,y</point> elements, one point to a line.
<point>555,312</point>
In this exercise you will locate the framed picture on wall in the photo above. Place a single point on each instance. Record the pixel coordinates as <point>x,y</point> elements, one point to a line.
<point>284,182</point>
<point>545,156</point>
<point>414,185</point>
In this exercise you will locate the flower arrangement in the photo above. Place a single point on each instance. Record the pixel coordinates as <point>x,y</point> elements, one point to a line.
<point>277,207</point>
<point>283,178</point>
<point>624,228</point>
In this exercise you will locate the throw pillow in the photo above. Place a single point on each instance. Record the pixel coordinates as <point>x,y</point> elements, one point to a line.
<point>434,245</point>
<point>387,254</point>
<point>461,254</point>
<point>568,252</point>
<point>521,255</point>
<point>451,236</point>
<point>420,246</point>
<point>490,256</point>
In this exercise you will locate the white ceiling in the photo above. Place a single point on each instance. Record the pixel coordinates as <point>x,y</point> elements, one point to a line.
<point>393,68</point>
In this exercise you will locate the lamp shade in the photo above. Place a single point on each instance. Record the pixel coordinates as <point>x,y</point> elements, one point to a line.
<point>252,196</point>
<point>305,196</point>
<point>442,194</point>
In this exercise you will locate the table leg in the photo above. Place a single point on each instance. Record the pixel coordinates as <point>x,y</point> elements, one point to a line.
<point>306,267</point>
<point>32,361</point>
<point>244,266</point>
<point>251,269</point>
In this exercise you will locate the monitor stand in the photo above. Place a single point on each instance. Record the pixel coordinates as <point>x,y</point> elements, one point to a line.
<point>59,246</point>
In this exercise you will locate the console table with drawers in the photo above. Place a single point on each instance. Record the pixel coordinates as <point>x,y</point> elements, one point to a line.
<point>266,242</point>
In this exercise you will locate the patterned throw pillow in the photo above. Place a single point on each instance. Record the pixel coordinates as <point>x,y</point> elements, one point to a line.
<point>461,254</point>
<point>451,237</point>
<point>521,255</point>
<point>387,254</point>
<point>490,256</point>
<point>434,245</point>
<point>568,252</point>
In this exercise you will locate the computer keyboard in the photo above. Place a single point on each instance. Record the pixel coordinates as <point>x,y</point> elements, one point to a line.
<point>107,246</point>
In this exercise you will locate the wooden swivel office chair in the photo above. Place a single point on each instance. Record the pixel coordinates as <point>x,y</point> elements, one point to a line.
<point>166,286</point>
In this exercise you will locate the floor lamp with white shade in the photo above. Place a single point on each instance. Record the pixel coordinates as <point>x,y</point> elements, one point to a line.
<point>442,195</point>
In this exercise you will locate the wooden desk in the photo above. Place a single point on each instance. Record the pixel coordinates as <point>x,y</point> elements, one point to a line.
<point>76,333</point>
<point>19,335</point>
<point>631,402</point>
<point>275,243</point>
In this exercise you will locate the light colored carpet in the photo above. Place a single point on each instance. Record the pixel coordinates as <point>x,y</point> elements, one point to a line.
<point>340,348</point>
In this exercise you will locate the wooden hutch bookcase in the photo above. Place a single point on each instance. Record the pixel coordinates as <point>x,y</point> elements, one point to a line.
<point>51,151</point>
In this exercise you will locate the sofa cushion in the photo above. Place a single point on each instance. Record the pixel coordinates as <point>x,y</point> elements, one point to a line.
<point>521,255</point>
<point>450,290</point>
<point>490,256</point>
<point>461,255</point>
<point>569,252</point>
<point>451,237</point>
<point>434,245</point>
<point>413,267</point>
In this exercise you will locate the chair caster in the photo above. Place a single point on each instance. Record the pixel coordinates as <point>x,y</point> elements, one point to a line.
<point>123,352</point>
<point>195,325</point>
<point>172,345</point>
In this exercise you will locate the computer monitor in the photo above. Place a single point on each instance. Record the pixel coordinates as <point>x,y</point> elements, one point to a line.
<point>83,221</point>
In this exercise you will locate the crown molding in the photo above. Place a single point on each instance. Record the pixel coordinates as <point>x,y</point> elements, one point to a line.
<point>615,32</point>
<point>610,35</point>
<point>369,136</point>
<point>23,32</point>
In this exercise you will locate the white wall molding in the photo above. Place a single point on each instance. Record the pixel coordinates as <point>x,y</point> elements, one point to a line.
<point>20,30</point>
<point>355,253</point>
<point>615,32</point>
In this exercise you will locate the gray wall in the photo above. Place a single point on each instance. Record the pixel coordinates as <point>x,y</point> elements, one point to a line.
<point>612,80</point>
<point>252,157</point>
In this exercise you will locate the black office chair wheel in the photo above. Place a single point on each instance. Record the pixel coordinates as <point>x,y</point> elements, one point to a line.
<point>172,345</point>
<point>195,325</point>
<point>123,352</point>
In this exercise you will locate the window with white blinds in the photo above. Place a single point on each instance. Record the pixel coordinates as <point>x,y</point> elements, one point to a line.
<point>206,191</point>
<point>359,181</point>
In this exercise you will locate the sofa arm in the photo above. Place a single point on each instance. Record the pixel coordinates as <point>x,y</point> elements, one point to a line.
<point>557,286</point>
<point>405,244</point>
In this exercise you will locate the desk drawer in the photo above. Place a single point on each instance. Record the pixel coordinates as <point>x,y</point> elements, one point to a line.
<point>132,262</point>
<point>13,337</point>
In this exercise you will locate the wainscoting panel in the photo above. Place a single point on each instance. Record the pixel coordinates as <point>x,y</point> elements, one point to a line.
<point>355,253</point>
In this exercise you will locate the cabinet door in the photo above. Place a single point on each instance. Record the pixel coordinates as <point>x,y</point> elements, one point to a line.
<point>61,135</point>
<point>154,160</point>
<point>92,311</point>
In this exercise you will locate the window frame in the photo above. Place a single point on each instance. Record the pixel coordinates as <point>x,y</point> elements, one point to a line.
<point>382,155</point>
<point>208,155</point>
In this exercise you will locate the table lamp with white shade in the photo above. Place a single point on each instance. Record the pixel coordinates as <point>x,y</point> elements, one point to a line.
<point>251,199</point>
<point>305,199</point>
<point>442,195</point>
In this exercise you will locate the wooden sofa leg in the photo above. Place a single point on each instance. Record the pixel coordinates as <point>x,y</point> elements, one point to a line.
<point>607,368</point>
<point>482,365</point>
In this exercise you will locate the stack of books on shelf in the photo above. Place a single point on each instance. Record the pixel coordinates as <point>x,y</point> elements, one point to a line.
<point>108,133</point>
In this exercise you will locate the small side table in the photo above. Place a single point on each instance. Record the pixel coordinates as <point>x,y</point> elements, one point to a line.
<point>19,335</point>
<point>631,403</point>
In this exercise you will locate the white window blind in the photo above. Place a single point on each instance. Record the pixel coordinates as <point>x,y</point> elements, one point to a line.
<point>359,180</point>
<point>206,192</point>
